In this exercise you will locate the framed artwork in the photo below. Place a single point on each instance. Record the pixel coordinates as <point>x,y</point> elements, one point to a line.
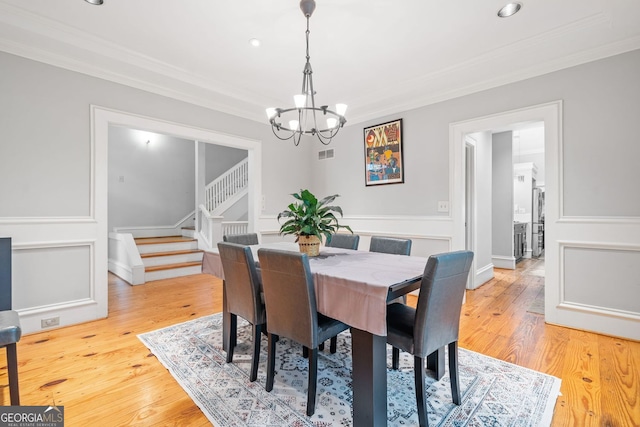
<point>383,162</point>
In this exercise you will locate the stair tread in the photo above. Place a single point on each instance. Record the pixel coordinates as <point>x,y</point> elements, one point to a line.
<point>169,253</point>
<point>171,266</point>
<point>165,239</point>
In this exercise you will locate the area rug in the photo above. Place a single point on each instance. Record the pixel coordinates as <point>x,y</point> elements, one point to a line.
<point>494,393</point>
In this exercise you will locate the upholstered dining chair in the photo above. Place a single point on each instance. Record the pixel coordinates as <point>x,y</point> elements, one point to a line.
<point>344,241</point>
<point>394,246</point>
<point>10,333</point>
<point>434,323</point>
<point>290,302</point>
<point>241,239</point>
<point>244,299</point>
<point>390,245</point>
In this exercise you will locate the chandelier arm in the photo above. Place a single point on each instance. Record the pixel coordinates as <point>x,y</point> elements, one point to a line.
<point>297,141</point>
<point>308,110</point>
<point>273,129</point>
<point>326,139</point>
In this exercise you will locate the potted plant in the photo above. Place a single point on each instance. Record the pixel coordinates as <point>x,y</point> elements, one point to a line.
<point>309,219</point>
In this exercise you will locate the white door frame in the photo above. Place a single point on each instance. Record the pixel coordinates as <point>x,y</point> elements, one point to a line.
<point>551,115</point>
<point>102,118</point>
<point>470,207</point>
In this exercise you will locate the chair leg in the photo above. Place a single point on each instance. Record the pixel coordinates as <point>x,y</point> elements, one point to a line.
<point>230,336</point>
<point>421,395</point>
<point>333,346</point>
<point>255,354</point>
<point>271,362</point>
<point>453,372</point>
<point>435,363</point>
<point>12,366</point>
<point>395,358</point>
<point>305,352</point>
<point>313,381</point>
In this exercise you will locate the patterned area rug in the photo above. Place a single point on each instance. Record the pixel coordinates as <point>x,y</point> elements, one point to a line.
<point>494,393</point>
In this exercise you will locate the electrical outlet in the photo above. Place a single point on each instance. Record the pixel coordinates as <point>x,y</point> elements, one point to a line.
<point>443,206</point>
<point>51,321</point>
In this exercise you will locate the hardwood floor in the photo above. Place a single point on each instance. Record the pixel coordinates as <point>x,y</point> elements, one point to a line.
<point>104,376</point>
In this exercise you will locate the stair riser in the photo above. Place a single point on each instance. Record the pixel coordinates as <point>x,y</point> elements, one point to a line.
<point>168,274</point>
<point>189,233</point>
<point>167,247</point>
<point>171,259</point>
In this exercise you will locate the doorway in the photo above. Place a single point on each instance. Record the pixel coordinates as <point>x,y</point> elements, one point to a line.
<point>101,119</point>
<point>549,114</point>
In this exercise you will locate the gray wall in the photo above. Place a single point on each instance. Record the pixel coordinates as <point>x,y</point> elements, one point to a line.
<point>149,184</point>
<point>45,138</point>
<point>502,195</point>
<point>600,158</point>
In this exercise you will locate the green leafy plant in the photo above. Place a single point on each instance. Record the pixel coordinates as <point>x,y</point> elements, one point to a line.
<point>311,217</point>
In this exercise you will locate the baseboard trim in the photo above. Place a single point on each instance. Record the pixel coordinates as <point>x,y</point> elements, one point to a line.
<point>508,263</point>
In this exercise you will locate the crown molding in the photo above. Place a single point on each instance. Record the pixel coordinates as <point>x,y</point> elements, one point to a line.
<point>78,51</point>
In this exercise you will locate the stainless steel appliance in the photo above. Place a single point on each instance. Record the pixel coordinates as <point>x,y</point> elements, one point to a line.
<point>537,223</point>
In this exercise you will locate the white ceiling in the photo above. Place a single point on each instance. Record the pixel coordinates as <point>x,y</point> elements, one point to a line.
<point>378,56</point>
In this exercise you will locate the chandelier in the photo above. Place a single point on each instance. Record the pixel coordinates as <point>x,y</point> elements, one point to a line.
<point>288,123</point>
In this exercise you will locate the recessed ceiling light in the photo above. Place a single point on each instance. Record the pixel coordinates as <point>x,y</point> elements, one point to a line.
<point>254,42</point>
<point>96,2</point>
<point>509,10</point>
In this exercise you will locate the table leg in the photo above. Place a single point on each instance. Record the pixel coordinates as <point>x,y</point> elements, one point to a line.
<point>435,363</point>
<point>226,316</point>
<point>369,378</point>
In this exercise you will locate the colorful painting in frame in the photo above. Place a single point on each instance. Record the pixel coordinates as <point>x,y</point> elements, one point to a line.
<point>383,154</point>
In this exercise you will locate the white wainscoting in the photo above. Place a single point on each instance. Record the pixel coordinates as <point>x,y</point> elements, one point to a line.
<point>55,275</point>
<point>429,235</point>
<point>599,281</point>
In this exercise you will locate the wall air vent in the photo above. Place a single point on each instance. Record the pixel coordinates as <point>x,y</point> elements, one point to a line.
<point>325,154</point>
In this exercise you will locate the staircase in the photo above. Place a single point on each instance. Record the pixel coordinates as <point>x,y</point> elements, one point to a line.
<point>167,257</point>
<point>228,188</point>
<point>219,196</point>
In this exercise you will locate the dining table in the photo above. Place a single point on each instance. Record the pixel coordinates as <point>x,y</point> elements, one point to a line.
<point>355,287</point>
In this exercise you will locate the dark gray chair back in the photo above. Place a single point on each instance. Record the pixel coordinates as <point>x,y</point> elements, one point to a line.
<point>241,239</point>
<point>289,296</point>
<point>390,245</point>
<point>437,320</point>
<point>242,282</point>
<point>290,301</point>
<point>5,273</point>
<point>344,241</point>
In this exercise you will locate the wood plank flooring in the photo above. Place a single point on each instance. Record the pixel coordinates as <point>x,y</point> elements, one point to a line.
<point>104,376</point>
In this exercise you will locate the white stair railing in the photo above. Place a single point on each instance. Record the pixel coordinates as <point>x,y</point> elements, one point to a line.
<point>210,229</point>
<point>235,227</point>
<point>226,186</point>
